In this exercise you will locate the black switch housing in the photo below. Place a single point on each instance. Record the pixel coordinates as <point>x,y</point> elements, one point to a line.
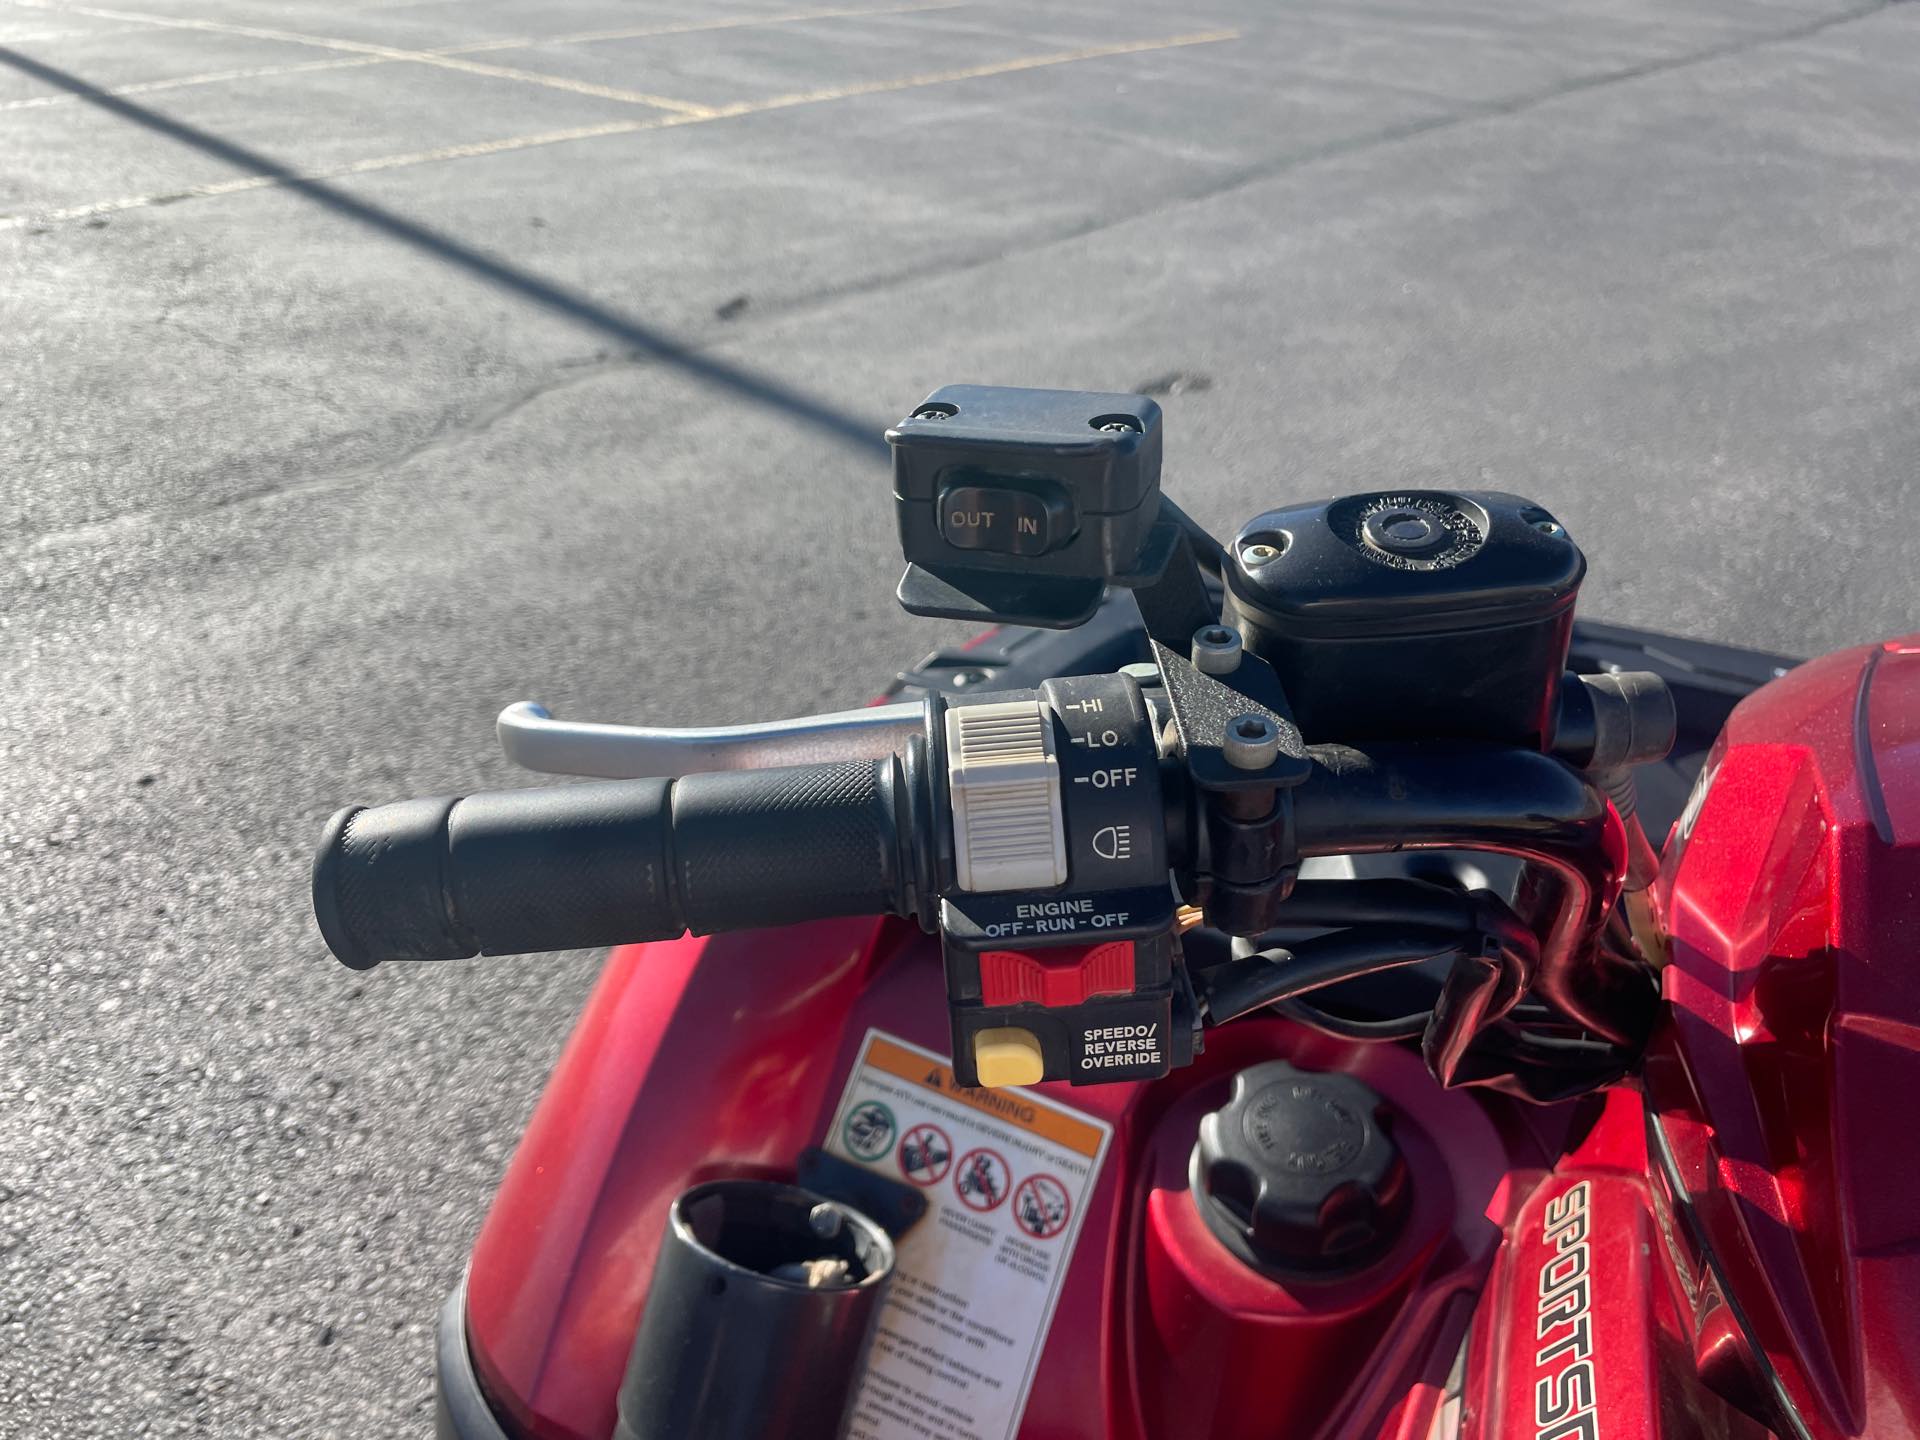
<point>1021,506</point>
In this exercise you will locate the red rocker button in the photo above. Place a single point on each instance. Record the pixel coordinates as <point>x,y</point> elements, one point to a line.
<point>1068,975</point>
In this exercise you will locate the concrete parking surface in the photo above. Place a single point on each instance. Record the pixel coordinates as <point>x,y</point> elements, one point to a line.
<point>367,366</point>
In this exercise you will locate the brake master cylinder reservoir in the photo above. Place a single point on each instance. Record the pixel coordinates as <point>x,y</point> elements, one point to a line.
<point>1412,614</point>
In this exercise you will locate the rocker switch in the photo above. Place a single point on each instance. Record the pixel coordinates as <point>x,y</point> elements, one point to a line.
<point>1004,520</point>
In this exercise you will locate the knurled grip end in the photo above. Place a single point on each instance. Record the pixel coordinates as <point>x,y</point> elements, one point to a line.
<point>344,944</point>
<point>380,885</point>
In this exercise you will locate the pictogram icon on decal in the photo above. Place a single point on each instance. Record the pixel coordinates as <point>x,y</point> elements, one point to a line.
<point>926,1154</point>
<point>981,1179</point>
<point>868,1130</point>
<point>1041,1206</point>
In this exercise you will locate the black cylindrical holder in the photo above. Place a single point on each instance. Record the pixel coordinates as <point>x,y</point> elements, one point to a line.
<point>756,1326</point>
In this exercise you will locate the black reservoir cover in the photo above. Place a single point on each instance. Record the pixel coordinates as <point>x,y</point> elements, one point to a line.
<point>1411,614</point>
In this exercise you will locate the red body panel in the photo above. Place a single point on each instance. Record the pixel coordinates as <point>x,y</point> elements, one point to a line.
<point>561,1267</point>
<point>1790,1061</point>
<point>1582,1334</point>
<point>1794,898</point>
<point>643,1104</point>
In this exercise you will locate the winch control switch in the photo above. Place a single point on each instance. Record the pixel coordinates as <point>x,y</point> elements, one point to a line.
<point>1005,520</point>
<point>1022,506</point>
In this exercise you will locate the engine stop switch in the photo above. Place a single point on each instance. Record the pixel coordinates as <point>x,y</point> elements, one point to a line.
<point>1059,932</point>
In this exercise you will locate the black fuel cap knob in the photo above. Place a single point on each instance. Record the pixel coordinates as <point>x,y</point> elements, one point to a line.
<point>1295,1172</point>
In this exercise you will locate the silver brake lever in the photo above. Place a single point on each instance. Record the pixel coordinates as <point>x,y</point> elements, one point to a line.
<point>533,739</point>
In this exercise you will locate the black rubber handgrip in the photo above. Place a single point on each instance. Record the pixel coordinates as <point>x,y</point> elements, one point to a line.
<point>598,864</point>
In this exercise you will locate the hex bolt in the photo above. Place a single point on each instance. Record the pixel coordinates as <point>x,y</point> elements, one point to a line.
<point>1144,672</point>
<point>1259,554</point>
<point>1216,650</point>
<point>1252,742</point>
<point>825,1220</point>
<point>1549,527</point>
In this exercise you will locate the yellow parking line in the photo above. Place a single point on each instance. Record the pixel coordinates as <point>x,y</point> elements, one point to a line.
<point>452,53</point>
<point>617,127</point>
<point>970,72</point>
<point>211,77</point>
<point>477,47</point>
<point>244,183</point>
<point>556,82</point>
<point>36,37</point>
<point>694,27</point>
<point>383,52</point>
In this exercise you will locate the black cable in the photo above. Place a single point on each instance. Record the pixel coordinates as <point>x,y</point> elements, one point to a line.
<point>1331,904</point>
<point>1254,981</point>
<point>1566,1047</point>
<point>1342,1027</point>
<point>1335,904</point>
<point>1550,1068</point>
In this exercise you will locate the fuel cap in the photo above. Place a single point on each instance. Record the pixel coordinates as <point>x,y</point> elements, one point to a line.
<point>1295,1172</point>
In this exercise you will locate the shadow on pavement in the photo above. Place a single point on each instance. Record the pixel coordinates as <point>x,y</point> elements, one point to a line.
<point>743,384</point>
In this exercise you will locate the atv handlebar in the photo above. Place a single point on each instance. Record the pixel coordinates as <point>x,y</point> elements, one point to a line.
<point>617,861</point>
<point>1051,834</point>
<point>580,866</point>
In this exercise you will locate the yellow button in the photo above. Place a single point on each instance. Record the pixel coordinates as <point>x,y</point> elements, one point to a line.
<point>1008,1056</point>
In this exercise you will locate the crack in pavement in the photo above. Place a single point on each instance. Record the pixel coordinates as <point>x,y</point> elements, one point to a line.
<point>1273,167</point>
<point>447,435</point>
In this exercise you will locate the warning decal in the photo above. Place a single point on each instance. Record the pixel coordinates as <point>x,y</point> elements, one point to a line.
<point>868,1130</point>
<point>1041,1206</point>
<point>926,1154</point>
<point>981,1181</point>
<point>978,1277</point>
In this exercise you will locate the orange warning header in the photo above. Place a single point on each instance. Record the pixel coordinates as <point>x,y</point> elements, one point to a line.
<point>1011,1106</point>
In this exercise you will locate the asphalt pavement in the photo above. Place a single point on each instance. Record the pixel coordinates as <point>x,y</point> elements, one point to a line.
<point>367,366</point>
